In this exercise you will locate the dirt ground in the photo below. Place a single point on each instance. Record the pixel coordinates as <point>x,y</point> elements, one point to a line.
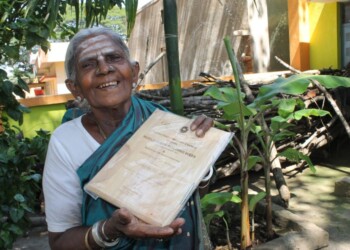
<point>312,196</point>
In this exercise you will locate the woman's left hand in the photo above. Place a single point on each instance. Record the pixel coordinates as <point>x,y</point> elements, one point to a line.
<point>201,125</point>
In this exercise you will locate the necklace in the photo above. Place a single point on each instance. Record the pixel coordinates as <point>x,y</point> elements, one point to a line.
<point>100,130</point>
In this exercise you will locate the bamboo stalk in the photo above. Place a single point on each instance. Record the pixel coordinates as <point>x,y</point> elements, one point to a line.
<point>172,49</point>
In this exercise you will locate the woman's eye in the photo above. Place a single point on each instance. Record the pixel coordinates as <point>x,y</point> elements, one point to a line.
<point>114,58</point>
<point>87,65</point>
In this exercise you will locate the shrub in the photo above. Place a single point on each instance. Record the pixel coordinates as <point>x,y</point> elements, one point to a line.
<point>21,161</point>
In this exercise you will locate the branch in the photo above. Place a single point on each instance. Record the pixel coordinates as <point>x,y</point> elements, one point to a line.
<point>148,68</point>
<point>287,65</point>
<point>334,105</point>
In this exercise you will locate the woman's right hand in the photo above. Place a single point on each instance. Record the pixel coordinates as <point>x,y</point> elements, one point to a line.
<point>126,223</point>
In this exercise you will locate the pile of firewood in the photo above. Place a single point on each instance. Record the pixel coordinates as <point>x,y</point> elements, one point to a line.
<point>311,134</point>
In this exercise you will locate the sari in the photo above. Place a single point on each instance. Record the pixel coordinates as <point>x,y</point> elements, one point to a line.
<point>94,210</point>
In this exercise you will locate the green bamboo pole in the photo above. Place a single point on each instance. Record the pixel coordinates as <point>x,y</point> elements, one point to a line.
<point>172,52</point>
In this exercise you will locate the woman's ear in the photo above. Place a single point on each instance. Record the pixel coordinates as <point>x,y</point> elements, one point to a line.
<point>73,88</point>
<point>136,70</point>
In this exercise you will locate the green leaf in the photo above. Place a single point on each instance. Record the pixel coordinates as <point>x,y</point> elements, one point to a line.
<point>26,208</point>
<point>16,229</point>
<point>11,152</point>
<point>328,81</point>
<point>216,94</point>
<point>307,113</point>
<point>221,126</point>
<point>22,84</point>
<point>16,214</point>
<point>4,158</point>
<point>296,156</point>
<point>36,177</point>
<point>297,84</point>
<point>11,51</point>
<point>232,109</point>
<point>24,108</point>
<point>216,199</point>
<point>17,90</point>
<point>252,160</point>
<point>15,114</point>
<point>19,198</point>
<point>255,199</point>
<point>286,106</point>
<point>283,135</point>
<point>7,87</point>
<point>6,237</point>
<point>208,217</point>
<point>236,199</point>
<point>293,85</point>
<point>130,11</point>
<point>3,74</point>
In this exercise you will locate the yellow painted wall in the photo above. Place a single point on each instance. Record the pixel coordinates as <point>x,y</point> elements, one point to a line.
<point>46,117</point>
<point>324,35</point>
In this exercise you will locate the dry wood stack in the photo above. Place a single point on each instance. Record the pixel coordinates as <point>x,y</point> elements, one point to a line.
<point>311,134</point>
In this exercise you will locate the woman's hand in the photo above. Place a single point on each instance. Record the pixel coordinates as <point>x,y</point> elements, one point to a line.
<point>201,125</point>
<point>123,221</point>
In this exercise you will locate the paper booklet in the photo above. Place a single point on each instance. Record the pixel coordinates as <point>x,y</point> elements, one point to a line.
<point>158,168</point>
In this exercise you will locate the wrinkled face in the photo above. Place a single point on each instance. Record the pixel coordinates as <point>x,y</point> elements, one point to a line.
<point>104,74</point>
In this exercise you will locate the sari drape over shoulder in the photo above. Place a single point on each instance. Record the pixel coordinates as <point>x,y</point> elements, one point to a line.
<point>94,210</point>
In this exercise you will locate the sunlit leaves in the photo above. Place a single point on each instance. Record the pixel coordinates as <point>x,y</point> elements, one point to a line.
<point>296,156</point>
<point>254,199</point>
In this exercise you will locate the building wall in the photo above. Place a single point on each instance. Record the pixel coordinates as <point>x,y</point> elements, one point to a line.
<point>61,77</point>
<point>46,117</point>
<point>324,35</point>
<point>202,26</point>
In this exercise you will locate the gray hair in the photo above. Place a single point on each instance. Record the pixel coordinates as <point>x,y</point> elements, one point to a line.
<point>70,61</point>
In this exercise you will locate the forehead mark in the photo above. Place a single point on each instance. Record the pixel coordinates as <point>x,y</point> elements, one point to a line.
<point>95,46</point>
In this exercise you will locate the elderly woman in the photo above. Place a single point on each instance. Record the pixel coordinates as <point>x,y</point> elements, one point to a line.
<point>100,71</point>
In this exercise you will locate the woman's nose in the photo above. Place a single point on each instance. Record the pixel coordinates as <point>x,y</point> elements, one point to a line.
<point>104,68</point>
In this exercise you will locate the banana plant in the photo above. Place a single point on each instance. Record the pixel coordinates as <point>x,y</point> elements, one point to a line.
<point>251,122</point>
<point>218,200</point>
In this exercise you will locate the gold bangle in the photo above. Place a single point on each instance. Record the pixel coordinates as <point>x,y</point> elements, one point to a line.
<point>87,239</point>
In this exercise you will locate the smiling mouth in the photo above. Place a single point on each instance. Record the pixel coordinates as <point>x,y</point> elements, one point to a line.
<point>108,84</point>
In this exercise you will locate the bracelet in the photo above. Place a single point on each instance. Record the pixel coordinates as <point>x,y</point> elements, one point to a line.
<point>98,239</point>
<point>103,232</point>
<point>87,239</point>
<point>96,235</point>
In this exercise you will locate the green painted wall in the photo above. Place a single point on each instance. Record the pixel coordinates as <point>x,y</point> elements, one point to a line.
<point>324,35</point>
<point>46,117</point>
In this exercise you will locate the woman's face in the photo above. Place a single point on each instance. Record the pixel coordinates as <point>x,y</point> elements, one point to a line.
<point>104,73</point>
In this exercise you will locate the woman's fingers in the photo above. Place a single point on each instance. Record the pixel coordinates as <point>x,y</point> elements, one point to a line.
<point>134,228</point>
<point>201,125</point>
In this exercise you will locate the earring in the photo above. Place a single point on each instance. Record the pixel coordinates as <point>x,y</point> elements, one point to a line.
<point>134,84</point>
<point>78,99</point>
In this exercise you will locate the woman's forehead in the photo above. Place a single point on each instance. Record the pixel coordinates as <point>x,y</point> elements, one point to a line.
<point>93,45</point>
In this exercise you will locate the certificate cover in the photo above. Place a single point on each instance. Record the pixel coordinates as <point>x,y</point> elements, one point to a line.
<point>160,166</point>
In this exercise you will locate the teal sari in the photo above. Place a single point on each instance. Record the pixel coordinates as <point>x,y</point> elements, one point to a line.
<point>95,210</point>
